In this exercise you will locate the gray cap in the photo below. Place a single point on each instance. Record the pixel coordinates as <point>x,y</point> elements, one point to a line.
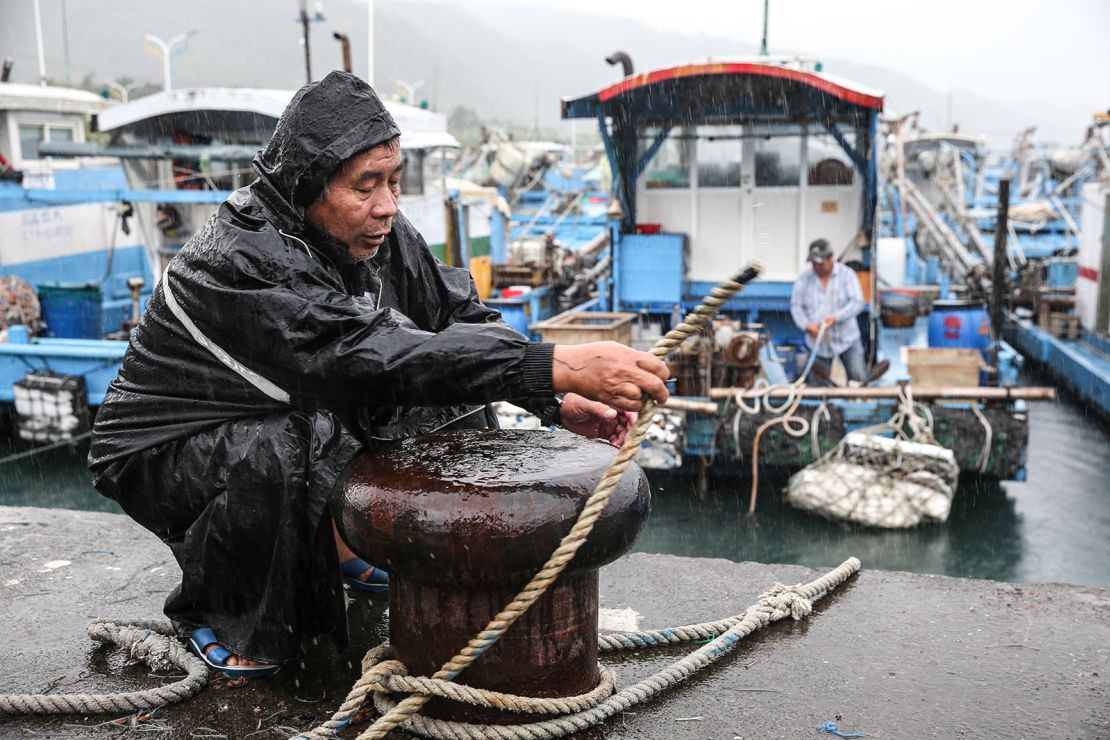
<point>819,251</point>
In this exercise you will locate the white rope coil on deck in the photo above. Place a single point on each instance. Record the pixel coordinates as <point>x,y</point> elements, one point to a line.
<point>152,642</point>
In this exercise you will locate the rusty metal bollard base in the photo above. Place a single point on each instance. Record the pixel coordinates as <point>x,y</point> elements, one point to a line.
<point>462,521</point>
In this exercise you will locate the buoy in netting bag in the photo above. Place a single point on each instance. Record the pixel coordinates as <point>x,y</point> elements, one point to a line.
<point>878,481</point>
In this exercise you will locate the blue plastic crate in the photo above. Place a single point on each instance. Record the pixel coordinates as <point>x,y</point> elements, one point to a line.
<point>1061,272</point>
<point>520,312</point>
<point>701,435</point>
<point>652,268</point>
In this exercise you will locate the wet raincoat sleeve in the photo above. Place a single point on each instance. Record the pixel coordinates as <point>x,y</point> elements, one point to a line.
<point>306,334</point>
<point>462,305</point>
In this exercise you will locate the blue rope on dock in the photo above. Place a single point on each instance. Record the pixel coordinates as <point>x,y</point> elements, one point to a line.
<point>831,728</point>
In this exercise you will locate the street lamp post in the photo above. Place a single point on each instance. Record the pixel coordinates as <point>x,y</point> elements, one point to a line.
<point>166,49</point>
<point>124,91</point>
<point>410,90</point>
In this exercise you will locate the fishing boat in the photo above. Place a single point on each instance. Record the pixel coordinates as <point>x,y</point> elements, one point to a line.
<point>1061,278</point>
<point>725,161</point>
<point>73,264</point>
<point>944,193</point>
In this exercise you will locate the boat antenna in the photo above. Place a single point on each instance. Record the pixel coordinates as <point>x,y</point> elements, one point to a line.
<point>619,57</point>
<point>763,46</point>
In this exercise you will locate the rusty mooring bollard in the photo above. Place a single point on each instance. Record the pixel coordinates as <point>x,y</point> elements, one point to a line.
<point>462,520</point>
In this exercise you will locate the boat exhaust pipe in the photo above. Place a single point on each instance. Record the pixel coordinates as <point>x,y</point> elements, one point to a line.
<point>619,57</point>
<point>345,43</point>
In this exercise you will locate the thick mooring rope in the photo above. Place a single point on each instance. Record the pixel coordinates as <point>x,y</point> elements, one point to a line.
<point>568,546</point>
<point>152,642</point>
<point>384,675</point>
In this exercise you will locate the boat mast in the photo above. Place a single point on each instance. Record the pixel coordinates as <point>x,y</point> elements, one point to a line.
<point>763,46</point>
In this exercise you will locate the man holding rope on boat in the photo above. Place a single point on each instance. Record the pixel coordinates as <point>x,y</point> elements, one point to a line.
<point>305,322</point>
<point>824,304</point>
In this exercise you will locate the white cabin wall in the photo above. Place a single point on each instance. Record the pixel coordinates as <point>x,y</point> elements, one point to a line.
<point>775,212</point>
<point>669,207</point>
<point>833,213</point>
<point>716,251</point>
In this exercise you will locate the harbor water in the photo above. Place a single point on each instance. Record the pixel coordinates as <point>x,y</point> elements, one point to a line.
<point>1055,527</point>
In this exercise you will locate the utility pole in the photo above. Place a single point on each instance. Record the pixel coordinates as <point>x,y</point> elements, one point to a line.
<point>306,21</point>
<point>763,46</point>
<point>370,43</point>
<point>38,37</point>
<point>65,40</point>
<point>998,274</point>
<point>304,30</point>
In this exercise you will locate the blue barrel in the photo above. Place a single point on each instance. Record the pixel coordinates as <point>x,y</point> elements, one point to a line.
<point>959,324</point>
<point>72,310</point>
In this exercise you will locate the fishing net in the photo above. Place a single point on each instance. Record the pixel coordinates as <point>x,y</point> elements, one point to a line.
<point>880,481</point>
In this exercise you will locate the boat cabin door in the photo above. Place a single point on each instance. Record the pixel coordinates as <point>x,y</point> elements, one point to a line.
<point>735,191</point>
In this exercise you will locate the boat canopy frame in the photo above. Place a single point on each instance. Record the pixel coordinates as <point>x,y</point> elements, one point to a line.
<point>728,93</point>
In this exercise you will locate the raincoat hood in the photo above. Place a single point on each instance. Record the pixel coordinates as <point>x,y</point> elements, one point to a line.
<point>325,124</point>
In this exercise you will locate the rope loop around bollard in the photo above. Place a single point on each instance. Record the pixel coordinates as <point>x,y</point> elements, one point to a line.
<point>777,603</point>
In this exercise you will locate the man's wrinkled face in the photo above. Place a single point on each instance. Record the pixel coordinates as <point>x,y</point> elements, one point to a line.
<point>361,200</point>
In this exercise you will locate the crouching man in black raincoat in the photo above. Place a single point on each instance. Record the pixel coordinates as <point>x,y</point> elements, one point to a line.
<point>304,322</point>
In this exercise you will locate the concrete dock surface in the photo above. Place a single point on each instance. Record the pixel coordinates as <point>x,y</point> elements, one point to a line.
<point>889,654</point>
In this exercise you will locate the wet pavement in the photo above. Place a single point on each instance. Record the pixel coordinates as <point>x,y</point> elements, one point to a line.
<point>890,654</point>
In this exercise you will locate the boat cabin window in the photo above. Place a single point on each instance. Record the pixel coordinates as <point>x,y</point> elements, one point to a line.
<point>778,159</point>
<point>670,167</point>
<point>412,179</point>
<point>33,134</point>
<point>718,154</point>
<point>829,164</point>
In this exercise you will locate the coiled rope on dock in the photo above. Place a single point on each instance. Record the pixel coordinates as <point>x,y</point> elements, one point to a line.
<point>152,642</point>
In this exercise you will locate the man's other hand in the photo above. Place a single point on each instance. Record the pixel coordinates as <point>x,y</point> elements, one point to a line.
<point>609,372</point>
<point>595,420</point>
<point>812,329</point>
<point>829,322</point>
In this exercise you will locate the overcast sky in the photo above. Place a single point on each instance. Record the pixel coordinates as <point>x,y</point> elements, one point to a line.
<point>1009,50</point>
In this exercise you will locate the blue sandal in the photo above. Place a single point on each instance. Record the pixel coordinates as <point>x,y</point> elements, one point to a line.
<point>376,583</point>
<point>218,656</point>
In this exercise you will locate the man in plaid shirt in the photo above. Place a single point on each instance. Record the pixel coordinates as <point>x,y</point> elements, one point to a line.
<point>824,303</point>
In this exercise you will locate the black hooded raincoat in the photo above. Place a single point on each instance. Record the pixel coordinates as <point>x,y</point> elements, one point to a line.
<point>264,362</point>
